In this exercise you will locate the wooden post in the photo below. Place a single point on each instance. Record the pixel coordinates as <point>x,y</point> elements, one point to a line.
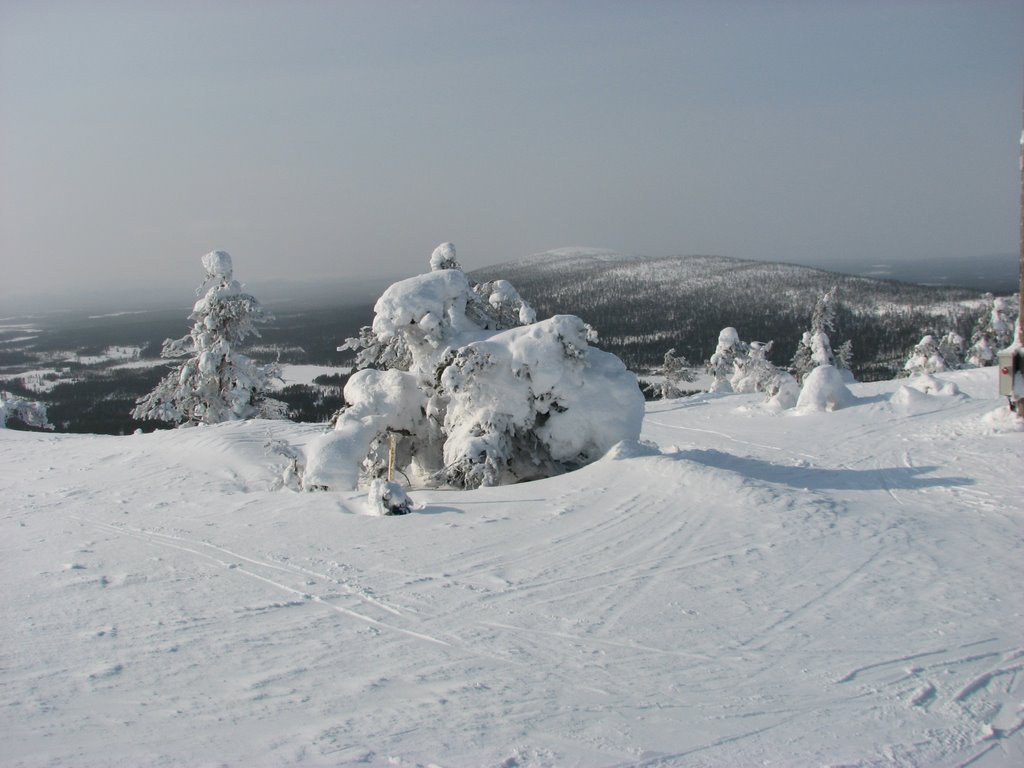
<point>1020,315</point>
<point>392,443</point>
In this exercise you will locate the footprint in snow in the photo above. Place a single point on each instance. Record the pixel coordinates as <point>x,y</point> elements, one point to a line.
<point>107,672</point>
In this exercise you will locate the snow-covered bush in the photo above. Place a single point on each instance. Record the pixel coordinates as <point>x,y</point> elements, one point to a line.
<point>533,402</point>
<point>952,347</point>
<point>216,382</point>
<point>675,369</point>
<point>474,401</point>
<point>753,372</point>
<point>387,498</point>
<point>926,357</point>
<point>32,413</point>
<point>784,392</point>
<point>744,368</point>
<point>993,332</point>
<point>824,390</point>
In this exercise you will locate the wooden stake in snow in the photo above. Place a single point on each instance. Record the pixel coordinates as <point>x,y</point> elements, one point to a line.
<point>392,442</point>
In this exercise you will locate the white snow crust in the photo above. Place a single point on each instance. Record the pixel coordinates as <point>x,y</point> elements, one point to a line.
<point>740,588</point>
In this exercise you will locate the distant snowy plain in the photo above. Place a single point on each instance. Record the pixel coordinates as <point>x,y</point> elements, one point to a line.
<point>744,588</point>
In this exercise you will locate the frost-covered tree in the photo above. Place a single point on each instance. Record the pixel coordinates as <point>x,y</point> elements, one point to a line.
<point>722,364</point>
<point>675,369</point>
<point>992,332</point>
<point>480,393</point>
<point>32,413</point>
<point>951,347</point>
<point>844,356</point>
<point>216,382</point>
<point>815,347</point>
<point>926,357</point>
<point>742,367</point>
<point>754,372</point>
<point>494,306</point>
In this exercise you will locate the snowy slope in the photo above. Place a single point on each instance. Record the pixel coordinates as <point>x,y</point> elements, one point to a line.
<point>827,589</point>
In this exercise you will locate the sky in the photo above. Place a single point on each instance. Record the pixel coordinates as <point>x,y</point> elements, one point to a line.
<point>319,140</point>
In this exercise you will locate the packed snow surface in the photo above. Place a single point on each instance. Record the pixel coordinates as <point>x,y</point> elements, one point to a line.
<point>740,588</point>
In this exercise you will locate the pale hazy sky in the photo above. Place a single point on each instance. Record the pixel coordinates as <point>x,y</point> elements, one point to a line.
<point>319,139</point>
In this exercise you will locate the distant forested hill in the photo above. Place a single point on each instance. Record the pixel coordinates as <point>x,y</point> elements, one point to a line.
<point>641,307</point>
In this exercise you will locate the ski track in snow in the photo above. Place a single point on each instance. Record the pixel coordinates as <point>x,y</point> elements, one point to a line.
<point>829,589</point>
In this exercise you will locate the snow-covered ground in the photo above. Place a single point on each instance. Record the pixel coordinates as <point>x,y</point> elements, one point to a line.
<point>830,589</point>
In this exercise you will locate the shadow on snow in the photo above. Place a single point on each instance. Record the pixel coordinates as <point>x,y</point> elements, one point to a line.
<point>820,479</point>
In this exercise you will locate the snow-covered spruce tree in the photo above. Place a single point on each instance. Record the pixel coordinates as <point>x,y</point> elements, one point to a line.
<point>674,370</point>
<point>753,372</point>
<point>477,392</point>
<point>992,332</point>
<point>815,347</point>
<point>492,306</point>
<point>32,413</point>
<point>926,357</point>
<point>722,364</point>
<point>756,373</point>
<point>951,347</point>
<point>216,382</point>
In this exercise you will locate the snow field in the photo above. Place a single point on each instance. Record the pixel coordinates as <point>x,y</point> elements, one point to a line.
<point>743,588</point>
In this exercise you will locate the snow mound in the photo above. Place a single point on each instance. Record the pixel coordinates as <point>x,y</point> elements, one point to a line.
<point>923,393</point>
<point>1003,419</point>
<point>443,257</point>
<point>632,449</point>
<point>930,385</point>
<point>824,390</point>
<point>434,302</point>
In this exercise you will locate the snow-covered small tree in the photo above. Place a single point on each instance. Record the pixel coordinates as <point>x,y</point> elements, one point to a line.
<point>992,332</point>
<point>926,357</point>
<point>722,364</point>
<point>815,347</point>
<point>481,394</point>
<point>753,371</point>
<point>951,347</point>
<point>493,305</point>
<point>844,356</point>
<point>32,413</point>
<point>216,382</point>
<point>674,370</point>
